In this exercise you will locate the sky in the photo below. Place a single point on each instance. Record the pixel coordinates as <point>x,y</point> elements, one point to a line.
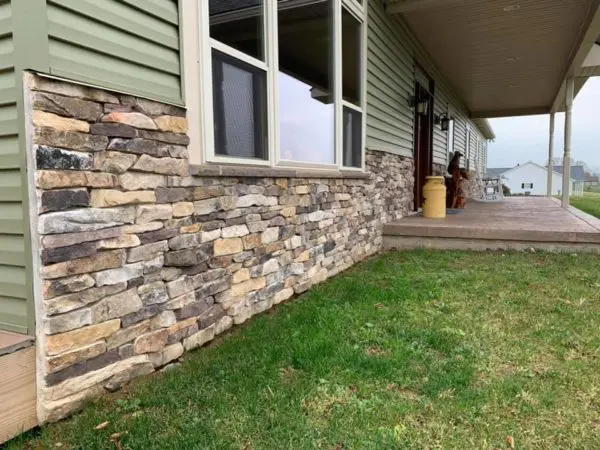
<point>522,139</point>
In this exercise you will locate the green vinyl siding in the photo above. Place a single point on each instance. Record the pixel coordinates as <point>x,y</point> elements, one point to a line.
<point>13,280</point>
<point>128,46</point>
<point>390,83</point>
<point>393,51</point>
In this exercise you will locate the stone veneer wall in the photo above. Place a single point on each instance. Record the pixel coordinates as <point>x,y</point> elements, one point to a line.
<point>140,260</point>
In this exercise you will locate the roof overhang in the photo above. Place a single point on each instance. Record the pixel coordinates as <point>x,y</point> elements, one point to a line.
<point>511,57</point>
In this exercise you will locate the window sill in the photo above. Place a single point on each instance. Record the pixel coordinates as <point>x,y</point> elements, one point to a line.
<point>220,170</point>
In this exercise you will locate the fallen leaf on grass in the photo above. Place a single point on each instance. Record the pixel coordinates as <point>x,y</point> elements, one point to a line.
<point>380,305</point>
<point>102,426</point>
<point>117,436</point>
<point>510,441</point>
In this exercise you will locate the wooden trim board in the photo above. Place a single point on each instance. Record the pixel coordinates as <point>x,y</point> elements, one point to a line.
<point>17,393</point>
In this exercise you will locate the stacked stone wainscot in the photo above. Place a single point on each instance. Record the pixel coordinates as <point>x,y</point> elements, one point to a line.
<point>141,261</point>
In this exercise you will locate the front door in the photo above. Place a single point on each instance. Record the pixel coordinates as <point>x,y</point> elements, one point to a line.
<point>423,141</point>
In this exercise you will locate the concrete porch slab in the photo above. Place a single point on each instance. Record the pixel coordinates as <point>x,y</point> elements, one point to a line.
<point>517,223</point>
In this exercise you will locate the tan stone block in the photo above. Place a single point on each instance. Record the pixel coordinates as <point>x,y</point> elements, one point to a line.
<point>241,276</point>
<point>172,124</point>
<point>282,183</point>
<point>59,409</point>
<point>52,179</point>
<point>71,340</point>
<point>243,288</point>
<point>89,379</point>
<point>115,162</point>
<point>142,227</point>
<point>182,325</point>
<point>252,241</point>
<point>224,324</point>
<point>103,198</point>
<point>303,257</point>
<point>302,190</point>
<point>49,120</point>
<point>100,261</point>
<point>195,228</point>
<point>228,246</point>
<point>151,213</point>
<point>56,363</point>
<point>134,119</point>
<point>151,342</point>
<point>132,181</point>
<point>183,209</point>
<point>167,354</point>
<point>289,211</point>
<point>117,305</point>
<point>125,335</point>
<point>125,241</point>
<point>165,166</point>
<point>200,338</point>
<point>283,295</point>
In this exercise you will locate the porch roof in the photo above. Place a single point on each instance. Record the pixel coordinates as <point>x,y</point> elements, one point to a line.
<point>510,57</point>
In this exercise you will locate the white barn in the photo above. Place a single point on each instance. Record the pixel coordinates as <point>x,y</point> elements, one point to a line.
<point>532,179</point>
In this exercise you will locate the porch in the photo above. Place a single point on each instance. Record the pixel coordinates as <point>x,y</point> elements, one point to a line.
<point>517,223</point>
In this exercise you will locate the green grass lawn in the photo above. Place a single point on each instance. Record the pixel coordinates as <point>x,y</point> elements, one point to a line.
<point>589,203</point>
<point>408,350</point>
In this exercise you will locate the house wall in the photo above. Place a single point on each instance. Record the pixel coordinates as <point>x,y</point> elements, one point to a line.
<point>392,53</point>
<point>142,258</point>
<point>528,173</point>
<point>13,291</point>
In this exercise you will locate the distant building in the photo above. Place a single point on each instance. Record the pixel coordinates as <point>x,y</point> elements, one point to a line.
<point>532,179</point>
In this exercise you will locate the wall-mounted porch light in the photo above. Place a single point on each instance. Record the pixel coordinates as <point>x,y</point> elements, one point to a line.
<point>443,121</point>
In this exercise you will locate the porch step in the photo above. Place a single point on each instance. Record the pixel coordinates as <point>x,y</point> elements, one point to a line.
<point>17,385</point>
<point>405,242</point>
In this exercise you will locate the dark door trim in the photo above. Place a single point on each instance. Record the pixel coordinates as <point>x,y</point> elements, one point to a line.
<point>423,135</point>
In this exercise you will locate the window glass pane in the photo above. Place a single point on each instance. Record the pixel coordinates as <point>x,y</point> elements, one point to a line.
<point>239,24</point>
<point>239,104</point>
<point>351,57</point>
<point>306,81</point>
<point>352,138</point>
<point>451,136</point>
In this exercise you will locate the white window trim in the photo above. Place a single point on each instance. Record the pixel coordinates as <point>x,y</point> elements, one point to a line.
<point>197,62</point>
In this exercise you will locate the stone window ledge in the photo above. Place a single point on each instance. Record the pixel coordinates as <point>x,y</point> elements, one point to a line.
<point>221,170</point>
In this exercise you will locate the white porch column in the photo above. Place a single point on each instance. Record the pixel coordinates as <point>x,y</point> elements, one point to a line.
<point>566,187</point>
<point>551,155</point>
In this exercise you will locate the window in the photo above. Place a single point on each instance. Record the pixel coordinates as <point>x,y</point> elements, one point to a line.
<point>526,185</point>
<point>286,85</point>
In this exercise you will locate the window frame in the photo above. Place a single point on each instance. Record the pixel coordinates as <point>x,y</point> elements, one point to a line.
<point>451,134</point>
<point>197,48</point>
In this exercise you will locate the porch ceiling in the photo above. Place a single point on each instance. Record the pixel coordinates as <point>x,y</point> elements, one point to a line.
<point>506,57</point>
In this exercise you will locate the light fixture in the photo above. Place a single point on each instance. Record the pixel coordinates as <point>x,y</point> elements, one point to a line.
<point>443,121</point>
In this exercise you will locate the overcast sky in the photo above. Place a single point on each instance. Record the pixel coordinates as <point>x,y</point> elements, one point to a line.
<point>522,139</point>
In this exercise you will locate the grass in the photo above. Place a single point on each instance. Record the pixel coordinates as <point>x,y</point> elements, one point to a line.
<point>589,203</point>
<point>408,350</point>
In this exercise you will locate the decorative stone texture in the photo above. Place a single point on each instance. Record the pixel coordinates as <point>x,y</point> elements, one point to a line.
<point>50,179</point>
<point>172,124</point>
<point>134,119</point>
<point>154,261</point>
<point>67,106</point>
<point>90,219</point>
<point>70,140</point>
<point>103,198</point>
<point>43,119</point>
<point>57,158</point>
